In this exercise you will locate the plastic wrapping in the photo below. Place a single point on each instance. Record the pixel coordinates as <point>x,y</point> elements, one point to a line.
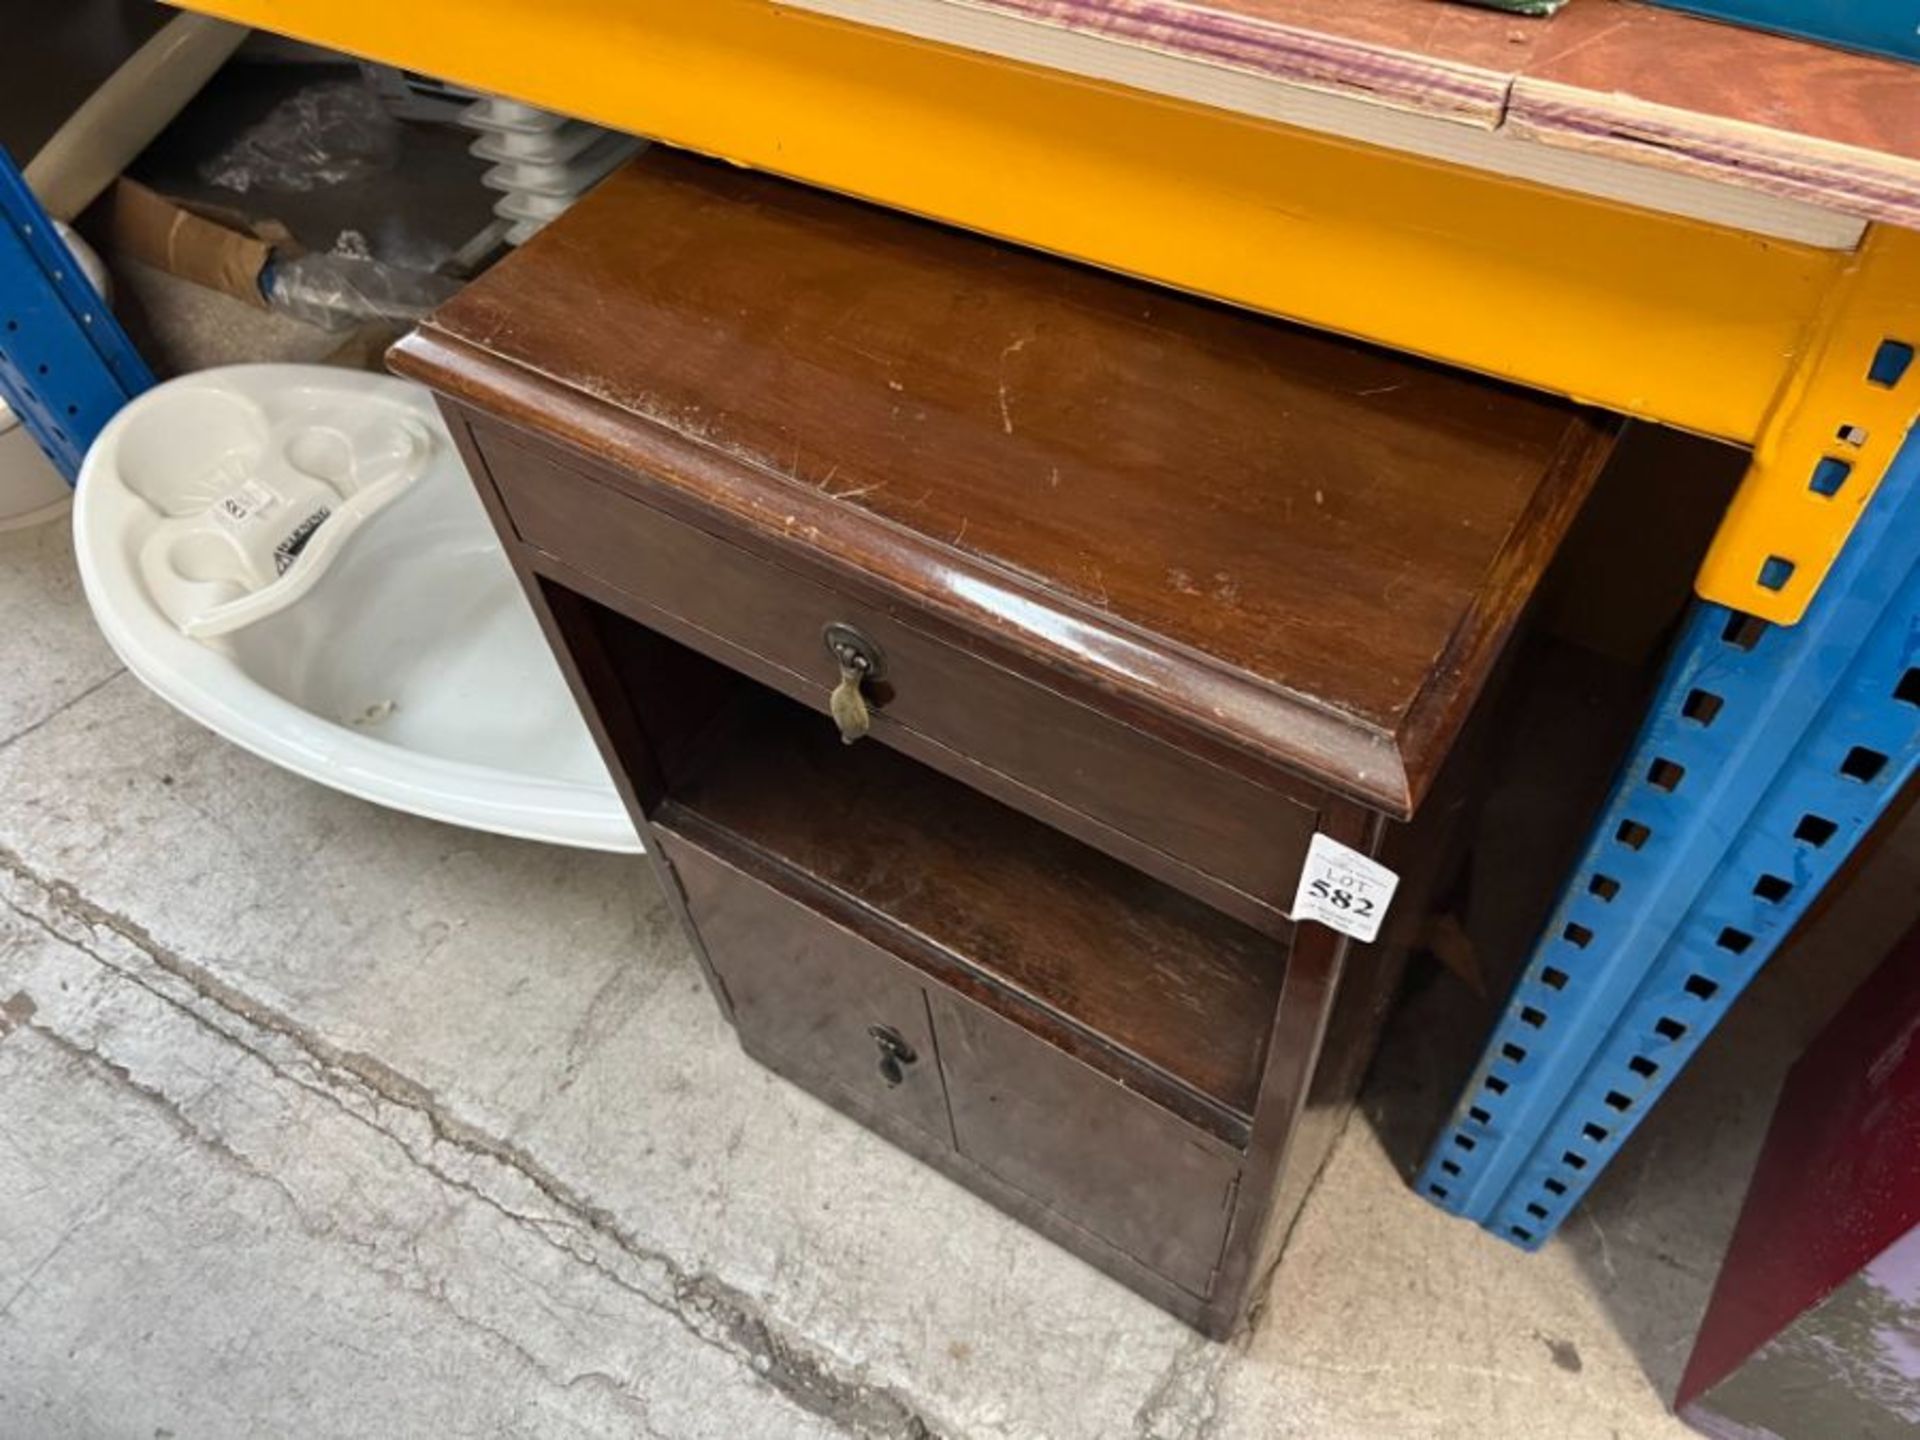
<point>337,292</point>
<point>327,134</point>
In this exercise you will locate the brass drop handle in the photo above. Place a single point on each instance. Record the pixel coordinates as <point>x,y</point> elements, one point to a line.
<point>895,1053</point>
<point>859,661</point>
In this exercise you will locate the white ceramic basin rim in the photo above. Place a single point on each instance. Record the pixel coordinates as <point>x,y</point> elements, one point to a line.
<point>412,673</point>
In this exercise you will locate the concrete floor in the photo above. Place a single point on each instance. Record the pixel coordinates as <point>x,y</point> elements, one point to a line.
<point>322,1120</point>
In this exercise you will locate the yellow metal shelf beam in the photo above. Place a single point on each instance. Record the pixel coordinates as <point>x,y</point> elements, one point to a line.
<point>1669,319</point>
<point>1655,316</point>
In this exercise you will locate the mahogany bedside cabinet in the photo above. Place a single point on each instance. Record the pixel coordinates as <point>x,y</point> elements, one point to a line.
<point>981,642</point>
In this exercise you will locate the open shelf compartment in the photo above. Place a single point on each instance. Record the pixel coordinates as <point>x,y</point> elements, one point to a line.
<point>1143,983</point>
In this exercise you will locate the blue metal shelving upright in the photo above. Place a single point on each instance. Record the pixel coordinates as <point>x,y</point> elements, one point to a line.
<point>1768,753</point>
<point>65,364</point>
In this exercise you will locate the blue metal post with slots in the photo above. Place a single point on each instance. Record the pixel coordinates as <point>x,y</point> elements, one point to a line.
<point>65,364</point>
<point>1768,754</point>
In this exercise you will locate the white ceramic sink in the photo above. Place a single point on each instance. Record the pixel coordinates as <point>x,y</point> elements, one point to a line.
<point>402,664</point>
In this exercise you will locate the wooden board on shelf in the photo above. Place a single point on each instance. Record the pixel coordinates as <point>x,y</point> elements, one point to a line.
<point>1666,92</point>
<point>1789,117</point>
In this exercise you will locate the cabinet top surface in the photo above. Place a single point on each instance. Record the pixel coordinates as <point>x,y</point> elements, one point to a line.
<point>1312,547</point>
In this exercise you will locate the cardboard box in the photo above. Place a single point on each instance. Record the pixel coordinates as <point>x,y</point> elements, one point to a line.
<point>148,227</point>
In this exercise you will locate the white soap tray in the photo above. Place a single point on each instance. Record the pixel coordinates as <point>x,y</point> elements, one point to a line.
<point>555,147</point>
<point>569,179</point>
<point>254,495</point>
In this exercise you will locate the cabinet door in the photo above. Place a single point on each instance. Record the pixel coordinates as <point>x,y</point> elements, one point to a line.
<point>1114,1164</point>
<point>811,1000</point>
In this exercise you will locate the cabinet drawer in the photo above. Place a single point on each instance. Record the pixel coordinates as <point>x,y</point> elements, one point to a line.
<point>1232,841</point>
<point>811,999</point>
<point>1084,1147</point>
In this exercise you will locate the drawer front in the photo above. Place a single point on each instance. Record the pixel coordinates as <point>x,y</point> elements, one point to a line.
<point>1082,1146</point>
<point>808,996</point>
<point>1211,824</point>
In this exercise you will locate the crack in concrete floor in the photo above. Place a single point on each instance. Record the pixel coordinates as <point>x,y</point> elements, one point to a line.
<point>176,1116</point>
<point>716,1314</point>
<point>62,708</point>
